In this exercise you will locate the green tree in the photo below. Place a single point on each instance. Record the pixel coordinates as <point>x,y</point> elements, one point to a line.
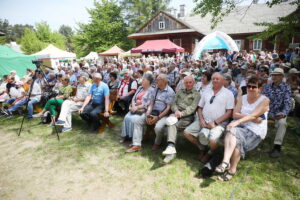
<point>30,43</point>
<point>45,35</point>
<point>68,33</point>
<point>35,40</point>
<point>12,32</point>
<point>138,12</point>
<point>286,28</point>
<point>106,28</point>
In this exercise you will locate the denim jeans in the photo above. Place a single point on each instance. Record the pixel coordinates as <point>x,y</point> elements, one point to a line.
<point>23,102</point>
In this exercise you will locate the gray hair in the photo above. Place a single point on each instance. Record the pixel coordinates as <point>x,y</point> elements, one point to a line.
<point>97,75</point>
<point>164,77</point>
<point>149,77</point>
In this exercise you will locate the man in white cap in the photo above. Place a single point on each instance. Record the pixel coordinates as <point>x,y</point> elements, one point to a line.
<point>279,94</point>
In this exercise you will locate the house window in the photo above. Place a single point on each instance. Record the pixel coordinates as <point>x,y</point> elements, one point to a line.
<point>161,25</point>
<point>257,44</point>
<point>177,42</point>
<point>238,43</point>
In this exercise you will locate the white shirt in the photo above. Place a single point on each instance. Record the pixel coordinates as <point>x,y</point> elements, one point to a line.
<point>82,92</point>
<point>36,92</point>
<point>3,87</point>
<point>223,100</point>
<point>124,87</point>
<point>16,93</point>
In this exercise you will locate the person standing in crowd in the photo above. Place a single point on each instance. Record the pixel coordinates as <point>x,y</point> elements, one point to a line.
<point>214,110</point>
<point>183,109</point>
<point>247,130</point>
<point>127,88</point>
<point>73,104</point>
<point>279,94</point>
<point>95,102</point>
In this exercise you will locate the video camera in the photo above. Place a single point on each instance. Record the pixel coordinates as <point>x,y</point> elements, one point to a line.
<point>37,62</point>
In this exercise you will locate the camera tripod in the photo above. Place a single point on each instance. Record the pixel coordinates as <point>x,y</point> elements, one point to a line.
<point>37,71</point>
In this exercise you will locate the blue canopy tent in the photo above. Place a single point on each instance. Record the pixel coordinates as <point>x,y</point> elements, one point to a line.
<point>215,40</point>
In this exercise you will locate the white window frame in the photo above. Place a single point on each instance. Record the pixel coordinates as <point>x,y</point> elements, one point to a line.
<point>255,44</point>
<point>238,44</point>
<point>161,25</point>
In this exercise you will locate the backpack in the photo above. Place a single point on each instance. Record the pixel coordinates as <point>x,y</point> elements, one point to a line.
<point>46,118</point>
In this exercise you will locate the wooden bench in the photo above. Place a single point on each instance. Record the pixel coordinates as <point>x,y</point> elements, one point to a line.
<point>106,121</point>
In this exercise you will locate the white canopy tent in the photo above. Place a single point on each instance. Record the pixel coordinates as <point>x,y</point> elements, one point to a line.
<point>215,40</point>
<point>51,55</point>
<point>53,52</point>
<point>92,56</point>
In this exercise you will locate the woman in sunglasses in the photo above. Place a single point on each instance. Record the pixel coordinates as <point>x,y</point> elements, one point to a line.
<point>247,130</point>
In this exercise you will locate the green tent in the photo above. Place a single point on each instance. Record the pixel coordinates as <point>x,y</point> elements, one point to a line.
<point>12,60</point>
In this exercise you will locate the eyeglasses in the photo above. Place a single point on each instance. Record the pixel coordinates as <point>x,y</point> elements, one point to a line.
<point>212,99</point>
<point>252,86</point>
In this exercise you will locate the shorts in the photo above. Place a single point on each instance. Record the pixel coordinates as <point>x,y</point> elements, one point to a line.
<point>246,140</point>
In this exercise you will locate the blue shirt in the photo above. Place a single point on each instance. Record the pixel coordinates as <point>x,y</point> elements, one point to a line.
<point>234,91</point>
<point>280,98</point>
<point>98,92</point>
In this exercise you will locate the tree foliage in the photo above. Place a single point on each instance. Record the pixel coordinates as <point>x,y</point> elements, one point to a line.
<point>138,12</point>
<point>68,33</point>
<point>106,28</point>
<point>12,32</point>
<point>35,40</point>
<point>287,27</point>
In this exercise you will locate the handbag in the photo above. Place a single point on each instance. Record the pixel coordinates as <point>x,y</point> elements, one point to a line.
<point>139,111</point>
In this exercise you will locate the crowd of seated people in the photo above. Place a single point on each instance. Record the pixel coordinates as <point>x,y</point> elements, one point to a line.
<point>225,99</point>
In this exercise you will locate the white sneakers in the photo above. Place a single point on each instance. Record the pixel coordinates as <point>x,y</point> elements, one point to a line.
<point>169,150</point>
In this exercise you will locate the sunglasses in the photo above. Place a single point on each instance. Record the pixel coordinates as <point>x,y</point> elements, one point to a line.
<point>252,86</point>
<point>212,99</point>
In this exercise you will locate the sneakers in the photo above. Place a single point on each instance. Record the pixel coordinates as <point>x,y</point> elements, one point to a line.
<point>59,123</point>
<point>169,150</point>
<point>8,114</point>
<point>275,153</point>
<point>37,115</point>
<point>66,130</point>
<point>169,158</point>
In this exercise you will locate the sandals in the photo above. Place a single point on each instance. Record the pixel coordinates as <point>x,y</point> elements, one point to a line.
<point>227,176</point>
<point>221,168</point>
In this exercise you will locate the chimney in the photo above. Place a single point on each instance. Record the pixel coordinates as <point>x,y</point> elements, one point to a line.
<point>182,10</point>
<point>175,12</point>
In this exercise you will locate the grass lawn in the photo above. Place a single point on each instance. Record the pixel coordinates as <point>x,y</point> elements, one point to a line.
<point>94,166</point>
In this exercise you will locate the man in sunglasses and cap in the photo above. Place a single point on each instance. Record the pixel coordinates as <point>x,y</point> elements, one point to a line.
<point>214,110</point>
<point>279,94</point>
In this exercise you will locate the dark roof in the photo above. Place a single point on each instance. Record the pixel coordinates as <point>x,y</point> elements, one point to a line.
<point>2,34</point>
<point>240,20</point>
